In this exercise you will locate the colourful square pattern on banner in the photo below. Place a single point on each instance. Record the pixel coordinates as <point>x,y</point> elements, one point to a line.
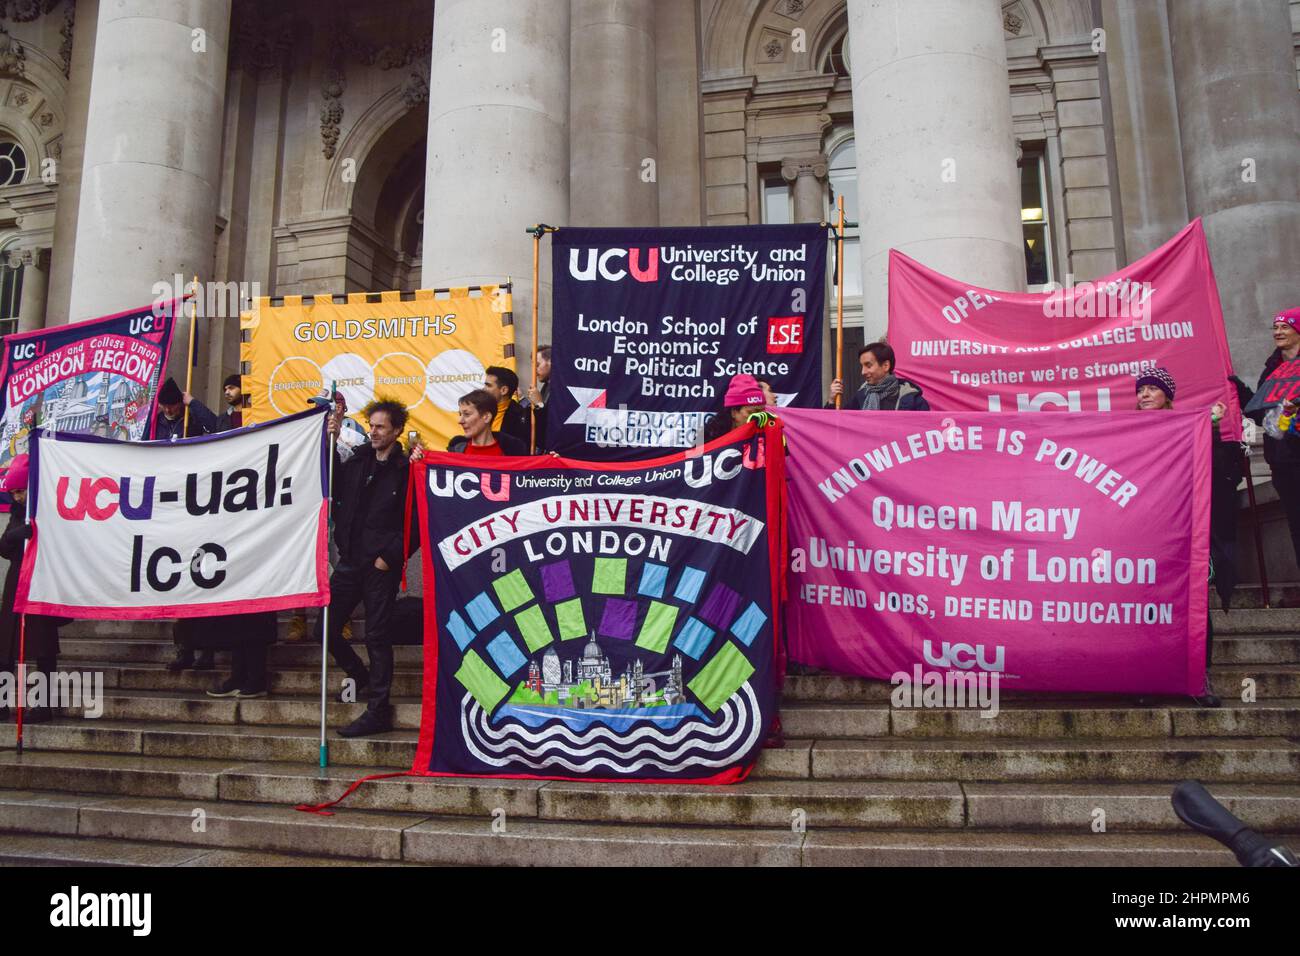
<point>557,582</point>
<point>619,619</point>
<point>459,630</point>
<point>654,578</point>
<point>512,590</point>
<point>609,576</point>
<point>506,654</point>
<point>480,680</point>
<point>657,628</point>
<point>570,619</point>
<point>720,608</point>
<point>749,624</point>
<point>533,628</point>
<point>721,677</point>
<point>694,638</point>
<point>482,611</point>
<point>689,584</point>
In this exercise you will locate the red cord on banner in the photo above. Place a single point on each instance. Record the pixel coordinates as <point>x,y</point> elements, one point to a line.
<point>323,810</point>
<point>406,523</point>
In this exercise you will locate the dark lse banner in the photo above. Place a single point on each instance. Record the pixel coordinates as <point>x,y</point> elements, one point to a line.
<point>609,622</point>
<point>650,325</point>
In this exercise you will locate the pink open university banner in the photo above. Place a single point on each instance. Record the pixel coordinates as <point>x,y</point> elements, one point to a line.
<point>1061,552</point>
<point>1075,349</point>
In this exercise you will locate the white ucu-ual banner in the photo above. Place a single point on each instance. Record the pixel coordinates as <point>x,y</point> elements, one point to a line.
<point>224,524</point>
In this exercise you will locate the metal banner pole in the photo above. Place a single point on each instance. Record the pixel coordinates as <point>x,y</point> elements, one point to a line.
<point>325,612</point>
<point>839,295</point>
<point>189,358</point>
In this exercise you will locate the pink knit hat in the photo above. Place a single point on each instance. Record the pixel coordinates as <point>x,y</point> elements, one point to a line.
<point>16,477</point>
<point>1290,316</point>
<point>743,390</point>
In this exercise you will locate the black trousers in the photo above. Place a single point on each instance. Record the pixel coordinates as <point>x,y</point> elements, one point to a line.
<point>352,584</point>
<point>1286,479</point>
<point>248,666</point>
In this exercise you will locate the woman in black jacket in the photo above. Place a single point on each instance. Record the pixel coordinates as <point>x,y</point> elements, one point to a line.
<point>1282,451</point>
<point>40,643</point>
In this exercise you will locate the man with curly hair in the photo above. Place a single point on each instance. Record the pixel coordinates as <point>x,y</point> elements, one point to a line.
<point>369,518</point>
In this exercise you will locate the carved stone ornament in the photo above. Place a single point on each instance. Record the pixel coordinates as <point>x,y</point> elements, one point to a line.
<point>1011,23</point>
<point>13,57</point>
<point>24,11</point>
<point>65,48</point>
<point>774,49</point>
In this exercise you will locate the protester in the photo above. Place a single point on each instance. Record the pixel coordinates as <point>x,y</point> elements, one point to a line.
<point>881,389</point>
<point>170,420</point>
<point>169,423</point>
<point>1155,392</point>
<point>509,417</point>
<point>1229,468</point>
<point>477,414</point>
<point>768,392</point>
<point>369,526</point>
<point>1282,448</point>
<point>538,395</point>
<point>40,642</point>
<point>744,397</point>
<point>233,416</point>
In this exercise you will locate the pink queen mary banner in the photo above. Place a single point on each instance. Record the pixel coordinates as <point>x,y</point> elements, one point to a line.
<point>1075,349</point>
<point>1062,553</point>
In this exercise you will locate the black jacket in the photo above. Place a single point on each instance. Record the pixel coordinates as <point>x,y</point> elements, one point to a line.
<point>1278,452</point>
<point>539,417</point>
<point>370,506</point>
<point>515,423</point>
<point>202,422</point>
<point>42,639</point>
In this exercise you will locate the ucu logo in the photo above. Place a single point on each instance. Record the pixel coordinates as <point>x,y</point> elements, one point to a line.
<point>148,323</point>
<point>953,655</point>
<point>28,350</point>
<point>446,484</point>
<point>700,470</point>
<point>600,262</point>
<point>91,503</point>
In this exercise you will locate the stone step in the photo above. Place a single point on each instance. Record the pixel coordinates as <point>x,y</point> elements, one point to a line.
<point>1280,594</point>
<point>1257,649</point>
<point>1268,808</point>
<point>1254,760</point>
<point>213,825</point>
<point>135,650</point>
<point>33,850</point>
<point>871,848</point>
<point>1246,620</point>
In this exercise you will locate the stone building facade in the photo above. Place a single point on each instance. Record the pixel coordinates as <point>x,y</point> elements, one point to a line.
<point>315,146</point>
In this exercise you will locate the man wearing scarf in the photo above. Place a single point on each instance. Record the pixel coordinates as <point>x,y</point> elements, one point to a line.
<point>881,389</point>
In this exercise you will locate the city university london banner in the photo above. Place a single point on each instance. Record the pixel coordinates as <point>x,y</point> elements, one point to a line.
<point>224,524</point>
<point>601,621</point>
<point>1075,349</point>
<point>98,377</point>
<point>425,351</point>
<point>650,325</point>
<point>1060,553</point>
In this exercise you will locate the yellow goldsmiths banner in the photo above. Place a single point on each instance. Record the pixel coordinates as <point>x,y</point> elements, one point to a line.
<point>425,352</point>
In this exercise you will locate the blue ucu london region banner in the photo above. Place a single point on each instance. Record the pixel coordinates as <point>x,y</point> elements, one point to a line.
<point>608,622</point>
<point>650,325</point>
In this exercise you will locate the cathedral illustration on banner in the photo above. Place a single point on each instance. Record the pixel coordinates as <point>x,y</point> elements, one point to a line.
<point>589,682</point>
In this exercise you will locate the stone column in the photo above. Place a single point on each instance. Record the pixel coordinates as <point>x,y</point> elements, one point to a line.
<point>498,157</point>
<point>937,175</point>
<point>807,178</point>
<point>152,154</point>
<point>85,24</point>
<point>612,109</point>
<point>36,287</point>
<point>1239,117</point>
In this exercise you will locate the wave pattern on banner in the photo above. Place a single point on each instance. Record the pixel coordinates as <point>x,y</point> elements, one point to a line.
<point>740,719</point>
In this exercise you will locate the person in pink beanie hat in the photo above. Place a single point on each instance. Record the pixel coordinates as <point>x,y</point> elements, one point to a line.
<point>744,397</point>
<point>1282,449</point>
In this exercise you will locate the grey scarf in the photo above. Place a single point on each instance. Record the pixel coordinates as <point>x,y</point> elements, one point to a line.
<point>882,394</point>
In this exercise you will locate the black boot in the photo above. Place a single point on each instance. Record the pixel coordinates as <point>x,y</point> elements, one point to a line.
<point>371,722</point>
